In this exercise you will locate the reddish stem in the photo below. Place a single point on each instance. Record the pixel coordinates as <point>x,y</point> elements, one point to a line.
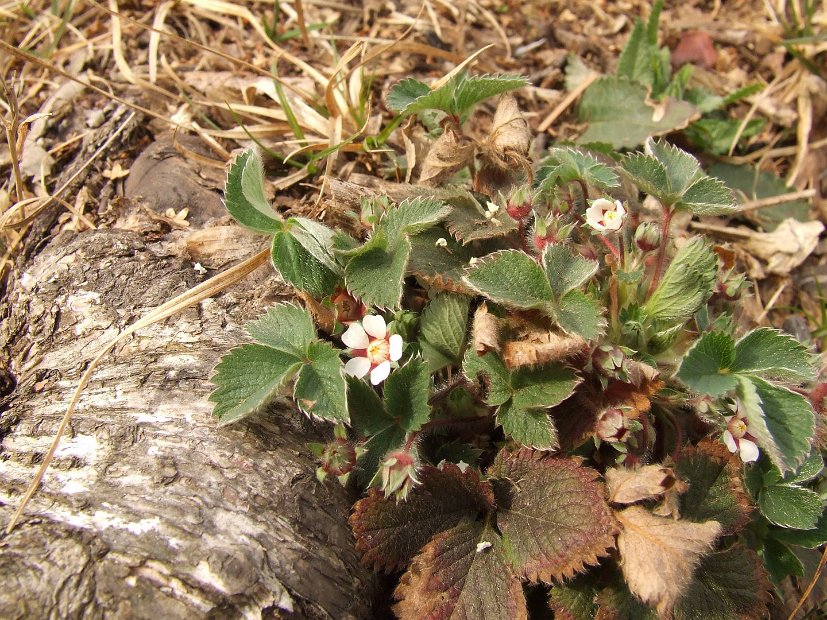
<point>661,257</point>
<point>611,247</point>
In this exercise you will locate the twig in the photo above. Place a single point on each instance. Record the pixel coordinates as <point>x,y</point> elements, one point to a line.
<point>173,306</point>
<point>752,205</point>
<point>565,103</point>
<point>812,585</point>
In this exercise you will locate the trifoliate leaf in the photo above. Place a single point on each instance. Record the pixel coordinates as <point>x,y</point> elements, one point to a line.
<point>443,324</point>
<point>406,395</point>
<point>300,267</point>
<point>770,354</point>
<point>285,327</point>
<point>552,515</point>
<point>566,271</point>
<point>682,169</point>
<point>790,506</point>
<point>248,379</point>
<point>780,561</point>
<point>782,421</point>
<point>244,194</point>
<point>810,539</point>
<point>686,285</point>
<point>511,278</point>
<point>618,112</point>
<point>647,173</point>
<point>716,489</point>
<point>320,387</point>
<point>728,585</point>
<point>461,573</point>
<point>564,165</point>
<point>438,260</point>
<point>375,273</point>
<point>497,376</point>
<point>659,554</point>
<point>577,313</point>
<point>389,535</point>
<point>707,196</point>
<point>529,427</point>
<point>707,366</point>
<point>412,217</point>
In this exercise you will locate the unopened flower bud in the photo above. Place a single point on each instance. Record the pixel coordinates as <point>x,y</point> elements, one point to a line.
<point>338,457</point>
<point>348,308</point>
<point>731,286</point>
<point>648,236</point>
<point>610,361</point>
<point>520,203</point>
<point>399,474</point>
<point>611,426</point>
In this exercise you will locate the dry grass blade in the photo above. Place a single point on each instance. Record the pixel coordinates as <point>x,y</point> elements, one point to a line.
<point>155,37</point>
<point>459,68</point>
<point>186,299</point>
<point>117,44</point>
<point>565,103</point>
<point>812,585</point>
<point>5,219</point>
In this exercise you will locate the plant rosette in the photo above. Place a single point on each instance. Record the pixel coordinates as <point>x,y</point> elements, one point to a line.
<point>372,349</point>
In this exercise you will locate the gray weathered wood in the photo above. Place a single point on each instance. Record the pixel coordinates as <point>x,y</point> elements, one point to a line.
<point>149,510</point>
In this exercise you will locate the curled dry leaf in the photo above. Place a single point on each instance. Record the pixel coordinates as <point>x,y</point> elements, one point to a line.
<point>659,555</point>
<point>627,486</point>
<point>506,148</point>
<point>634,396</point>
<point>787,246</point>
<point>485,333</point>
<point>219,246</point>
<point>451,152</point>
<point>541,347</point>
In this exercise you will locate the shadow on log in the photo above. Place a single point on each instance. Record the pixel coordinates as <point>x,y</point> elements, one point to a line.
<point>149,510</point>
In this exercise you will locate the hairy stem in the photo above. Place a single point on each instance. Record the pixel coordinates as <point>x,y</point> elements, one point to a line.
<point>661,257</point>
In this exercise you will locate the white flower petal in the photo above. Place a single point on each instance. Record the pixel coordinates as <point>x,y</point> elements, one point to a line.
<point>749,451</point>
<point>729,440</point>
<point>396,347</point>
<point>355,337</point>
<point>357,367</point>
<point>621,212</point>
<point>375,326</point>
<point>380,373</point>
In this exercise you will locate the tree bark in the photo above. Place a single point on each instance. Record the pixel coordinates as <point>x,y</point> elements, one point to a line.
<point>149,510</point>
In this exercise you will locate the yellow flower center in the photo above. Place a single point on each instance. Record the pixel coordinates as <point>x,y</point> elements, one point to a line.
<point>378,351</point>
<point>737,427</point>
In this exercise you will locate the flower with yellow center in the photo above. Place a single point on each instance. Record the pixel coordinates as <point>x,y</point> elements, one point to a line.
<point>738,438</point>
<point>605,215</point>
<point>373,349</point>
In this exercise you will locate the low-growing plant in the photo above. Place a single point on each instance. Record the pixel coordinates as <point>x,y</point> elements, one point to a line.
<point>535,385</point>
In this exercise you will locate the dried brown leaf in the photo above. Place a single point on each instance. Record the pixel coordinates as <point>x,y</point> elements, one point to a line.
<point>451,152</point>
<point>485,334</point>
<point>541,347</point>
<point>659,555</point>
<point>787,246</point>
<point>627,486</point>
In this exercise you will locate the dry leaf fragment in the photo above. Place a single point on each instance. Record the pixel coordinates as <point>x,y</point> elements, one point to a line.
<point>695,47</point>
<point>485,333</point>
<point>541,347</point>
<point>451,152</point>
<point>627,486</point>
<point>787,246</point>
<point>505,151</point>
<point>659,555</point>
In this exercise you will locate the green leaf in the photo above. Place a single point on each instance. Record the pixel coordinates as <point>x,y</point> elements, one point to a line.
<point>714,135</point>
<point>530,427</point>
<point>320,387</point>
<point>542,386</point>
<point>248,378</point>
<point>433,357</point>
<point>367,412</point>
<point>316,238</point>
<point>470,221</point>
<point>461,573</point>
<point>476,88</point>
<point>635,61</point>
<point>574,600</point>
<point>810,539</point>
<point>389,535</point>
<point>780,561</point>
<point>790,506</point>
<point>648,174</point>
<point>686,285</point>
<point>375,273</point>
<point>811,468</point>
<point>497,375</point>
<point>564,165</point>
<point>707,366</point>
<point>772,355</point>
<point>511,278</point>
<point>405,93</point>
<point>618,113</point>
<point>707,196</point>
<point>682,169</point>
<point>443,325</point>
<point>412,217</point>
<point>753,184</point>
<point>244,195</point>
<point>406,395</point>
<point>716,491</point>
<point>552,515</point>
<point>285,327</point>
<point>728,585</point>
<point>301,268</point>
<point>566,271</point>
<point>616,602</point>
<point>781,420</point>
<point>438,260</point>
<point>577,313</point>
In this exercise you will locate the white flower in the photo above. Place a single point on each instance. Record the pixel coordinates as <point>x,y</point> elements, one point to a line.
<point>605,215</point>
<point>372,349</point>
<point>738,439</point>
